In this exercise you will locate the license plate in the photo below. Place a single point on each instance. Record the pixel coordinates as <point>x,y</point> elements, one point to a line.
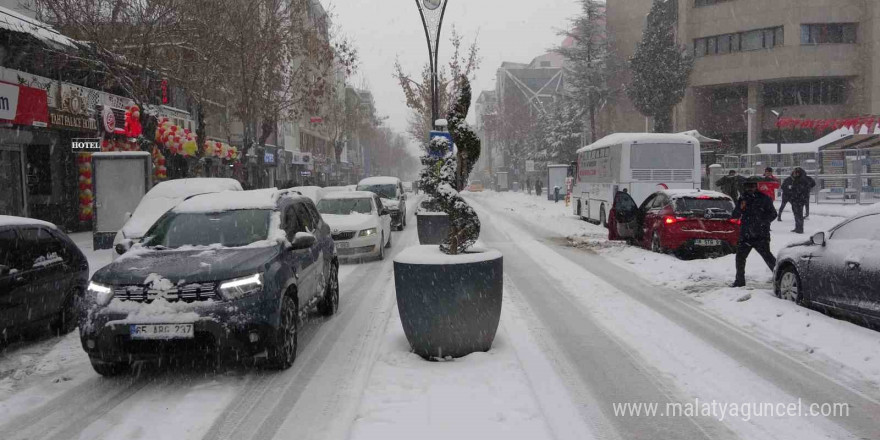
<point>161,331</point>
<point>341,245</point>
<point>706,242</point>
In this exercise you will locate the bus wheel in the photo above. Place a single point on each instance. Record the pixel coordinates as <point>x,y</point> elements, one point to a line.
<point>602,217</point>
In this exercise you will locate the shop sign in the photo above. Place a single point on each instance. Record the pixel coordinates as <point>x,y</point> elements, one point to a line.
<point>305,173</point>
<point>8,101</point>
<point>85,144</point>
<point>72,121</point>
<point>269,158</point>
<point>50,86</point>
<point>78,100</point>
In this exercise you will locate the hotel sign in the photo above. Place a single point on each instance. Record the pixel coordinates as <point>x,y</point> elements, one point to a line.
<point>72,121</point>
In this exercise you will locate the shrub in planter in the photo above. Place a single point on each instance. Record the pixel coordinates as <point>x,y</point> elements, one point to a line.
<point>432,226</point>
<point>449,296</point>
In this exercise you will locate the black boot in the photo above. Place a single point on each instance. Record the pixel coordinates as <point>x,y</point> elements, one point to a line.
<point>738,283</point>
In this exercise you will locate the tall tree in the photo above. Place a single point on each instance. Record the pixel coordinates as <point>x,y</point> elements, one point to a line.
<point>588,65</point>
<point>561,130</point>
<point>661,67</point>
<point>462,65</point>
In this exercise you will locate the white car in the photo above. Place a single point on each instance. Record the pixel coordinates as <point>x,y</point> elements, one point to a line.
<point>390,190</point>
<point>316,193</point>
<point>159,200</point>
<point>360,225</point>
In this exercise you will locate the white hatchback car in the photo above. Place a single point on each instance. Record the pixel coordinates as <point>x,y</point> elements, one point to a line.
<point>360,225</point>
<point>159,200</point>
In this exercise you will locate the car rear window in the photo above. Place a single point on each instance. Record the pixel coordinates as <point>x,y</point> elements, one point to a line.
<point>686,204</point>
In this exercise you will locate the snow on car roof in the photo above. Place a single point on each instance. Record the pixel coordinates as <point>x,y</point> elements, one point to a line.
<point>187,187</point>
<point>379,180</point>
<point>316,193</point>
<point>619,138</point>
<point>349,195</point>
<point>678,193</point>
<point>230,201</point>
<point>9,220</point>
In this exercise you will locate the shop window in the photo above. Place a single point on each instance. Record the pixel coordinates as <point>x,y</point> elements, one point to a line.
<point>829,33</point>
<point>751,40</point>
<point>39,171</point>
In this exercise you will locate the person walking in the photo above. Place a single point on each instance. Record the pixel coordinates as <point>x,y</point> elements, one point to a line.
<point>807,205</point>
<point>537,187</point>
<point>556,194</point>
<point>785,195</point>
<point>799,187</point>
<point>730,184</point>
<point>529,185</point>
<point>755,211</point>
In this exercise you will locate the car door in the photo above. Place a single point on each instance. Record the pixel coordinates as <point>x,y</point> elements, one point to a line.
<point>836,270</point>
<point>626,217</point>
<point>13,297</point>
<point>47,277</point>
<point>298,259</point>
<point>324,245</point>
<point>384,220</point>
<point>649,212</point>
<point>316,266</point>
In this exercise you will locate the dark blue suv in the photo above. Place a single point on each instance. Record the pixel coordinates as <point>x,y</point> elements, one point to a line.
<point>228,273</point>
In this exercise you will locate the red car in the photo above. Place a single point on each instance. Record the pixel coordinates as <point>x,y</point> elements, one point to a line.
<point>680,221</point>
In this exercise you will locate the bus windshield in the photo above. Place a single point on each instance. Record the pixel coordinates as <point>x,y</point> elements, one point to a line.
<point>662,157</point>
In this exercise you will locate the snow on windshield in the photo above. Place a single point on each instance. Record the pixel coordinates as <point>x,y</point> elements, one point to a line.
<point>386,191</point>
<point>345,206</point>
<point>227,228</point>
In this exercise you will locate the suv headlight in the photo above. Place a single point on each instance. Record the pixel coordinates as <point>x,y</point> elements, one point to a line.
<point>241,287</point>
<point>101,293</point>
<point>367,232</point>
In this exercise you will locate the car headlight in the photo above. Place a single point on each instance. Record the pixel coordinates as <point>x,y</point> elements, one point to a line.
<point>102,294</point>
<point>241,287</point>
<point>367,232</point>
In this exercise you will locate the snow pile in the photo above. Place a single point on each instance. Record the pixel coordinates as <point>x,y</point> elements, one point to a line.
<point>48,259</point>
<point>379,180</point>
<point>430,254</point>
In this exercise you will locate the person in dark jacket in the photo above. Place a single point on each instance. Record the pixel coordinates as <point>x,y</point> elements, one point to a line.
<point>538,187</point>
<point>799,186</point>
<point>730,184</point>
<point>784,188</point>
<point>755,211</point>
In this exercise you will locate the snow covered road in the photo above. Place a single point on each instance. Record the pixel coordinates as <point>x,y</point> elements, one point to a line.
<point>582,333</point>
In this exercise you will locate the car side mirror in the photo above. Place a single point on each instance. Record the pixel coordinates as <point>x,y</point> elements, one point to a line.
<point>818,239</point>
<point>123,246</point>
<point>303,240</point>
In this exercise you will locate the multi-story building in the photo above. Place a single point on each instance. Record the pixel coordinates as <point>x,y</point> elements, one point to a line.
<point>810,59</point>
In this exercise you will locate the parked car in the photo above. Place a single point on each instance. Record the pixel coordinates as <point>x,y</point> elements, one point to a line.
<point>390,190</point>
<point>682,221</point>
<point>475,186</point>
<point>162,197</point>
<point>228,273</point>
<point>837,270</point>
<point>360,225</point>
<point>42,276</point>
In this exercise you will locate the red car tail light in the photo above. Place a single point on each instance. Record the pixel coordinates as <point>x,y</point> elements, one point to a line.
<point>670,219</point>
<point>736,221</point>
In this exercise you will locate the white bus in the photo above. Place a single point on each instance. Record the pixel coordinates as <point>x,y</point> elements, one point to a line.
<point>640,163</point>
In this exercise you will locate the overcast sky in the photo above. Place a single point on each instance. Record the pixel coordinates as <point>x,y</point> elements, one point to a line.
<point>506,30</point>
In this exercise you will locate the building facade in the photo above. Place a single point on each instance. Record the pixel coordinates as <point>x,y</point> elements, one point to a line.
<point>806,59</point>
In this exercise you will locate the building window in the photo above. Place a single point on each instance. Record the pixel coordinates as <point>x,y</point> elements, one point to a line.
<point>816,92</point>
<point>698,3</point>
<point>739,42</point>
<point>828,33</point>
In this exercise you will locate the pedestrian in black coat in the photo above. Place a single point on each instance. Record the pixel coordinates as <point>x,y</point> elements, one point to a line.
<point>730,184</point>
<point>755,211</point>
<point>799,187</point>
<point>785,191</point>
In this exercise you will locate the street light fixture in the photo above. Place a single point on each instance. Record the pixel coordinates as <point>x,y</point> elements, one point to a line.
<point>778,115</point>
<point>432,12</point>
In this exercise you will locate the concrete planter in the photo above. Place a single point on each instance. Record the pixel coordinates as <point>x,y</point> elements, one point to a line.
<point>433,227</point>
<point>449,305</point>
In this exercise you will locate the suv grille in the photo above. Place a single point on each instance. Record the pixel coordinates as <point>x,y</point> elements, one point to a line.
<point>347,235</point>
<point>187,293</point>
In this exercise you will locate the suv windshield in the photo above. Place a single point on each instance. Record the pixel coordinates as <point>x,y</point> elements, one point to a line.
<point>228,228</point>
<point>388,191</point>
<point>697,204</point>
<point>345,206</point>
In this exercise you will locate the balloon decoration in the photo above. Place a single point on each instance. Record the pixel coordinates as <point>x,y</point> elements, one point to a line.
<point>133,127</point>
<point>160,172</point>
<point>221,150</point>
<point>176,140</point>
<point>117,143</point>
<point>86,197</point>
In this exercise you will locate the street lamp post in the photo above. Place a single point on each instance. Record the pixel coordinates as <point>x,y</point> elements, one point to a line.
<point>432,12</point>
<point>778,115</point>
